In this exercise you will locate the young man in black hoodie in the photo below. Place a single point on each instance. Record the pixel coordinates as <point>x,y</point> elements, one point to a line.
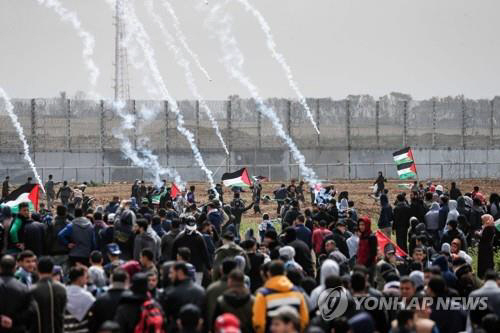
<point>128,313</point>
<point>50,297</point>
<point>236,300</point>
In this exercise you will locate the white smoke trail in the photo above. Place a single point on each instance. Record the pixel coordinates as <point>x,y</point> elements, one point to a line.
<point>150,161</point>
<point>184,63</point>
<point>233,60</point>
<point>87,39</point>
<point>142,38</point>
<point>20,132</point>
<point>280,58</point>
<point>182,38</point>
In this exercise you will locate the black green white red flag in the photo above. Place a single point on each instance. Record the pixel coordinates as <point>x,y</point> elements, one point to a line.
<point>26,193</point>
<point>238,178</point>
<point>405,163</point>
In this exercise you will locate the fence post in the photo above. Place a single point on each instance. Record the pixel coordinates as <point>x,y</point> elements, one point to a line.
<point>348,135</point>
<point>229,132</point>
<point>434,122</point>
<point>289,130</point>
<point>197,109</point>
<point>441,170</point>
<point>134,112</point>
<point>269,172</point>
<point>33,129</point>
<point>76,174</point>
<point>405,123</point>
<point>110,175</point>
<point>463,122</point>
<point>102,138</point>
<point>318,136</point>
<point>68,126</point>
<point>165,103</point>
<point>377,124</point>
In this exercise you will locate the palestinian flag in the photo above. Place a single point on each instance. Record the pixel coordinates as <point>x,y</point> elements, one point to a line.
<point>155,199</point>
<point>25,193</point>
<point>238,178</point>
<point>383,240</point>
<point>174,191</point>
<point>403,156</point>
<point>405,163</point>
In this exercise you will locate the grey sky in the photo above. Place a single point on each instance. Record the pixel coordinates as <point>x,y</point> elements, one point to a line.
<point>422,47</point>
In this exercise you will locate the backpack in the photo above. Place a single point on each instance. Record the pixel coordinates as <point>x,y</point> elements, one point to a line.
<point>151,320</point>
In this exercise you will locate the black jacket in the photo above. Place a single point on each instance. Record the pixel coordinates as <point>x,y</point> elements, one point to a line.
<point>402,213</point>
<point>238,303</point>
<point>128,312</point>
<point>53,229</point>
<point>340,241</point>
<point>104,308</point>
<point>19,307</point>
<point>51,299</point>
<point>199,252</point>
<point>291,215</point>
<point>180,294</point>
<point>237,209</point>
<point>34,237</point>
<point>303,256</point>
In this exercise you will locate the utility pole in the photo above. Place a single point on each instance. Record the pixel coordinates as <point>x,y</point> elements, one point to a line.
<point>121,80</point>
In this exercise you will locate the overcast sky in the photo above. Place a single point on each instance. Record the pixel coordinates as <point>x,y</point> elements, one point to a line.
<point>335,47</point>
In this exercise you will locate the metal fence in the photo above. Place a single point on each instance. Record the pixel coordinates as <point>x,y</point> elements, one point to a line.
<point>274,172</point>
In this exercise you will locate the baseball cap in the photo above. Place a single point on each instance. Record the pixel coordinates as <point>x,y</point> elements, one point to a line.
<point>227,323</point>
<point>114,249</point>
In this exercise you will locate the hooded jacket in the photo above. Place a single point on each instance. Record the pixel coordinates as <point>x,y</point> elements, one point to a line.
<point>124,234</point>
<point>329,268</point>
<point>195,242</point>
<point>34,237</point>
<point>453,212</point>
<point>432,217</point>
<point>238,302</point>
<point>81,233</point>
<point>386,215</point>
<point>449,277</point>
<point>367,248</point>
<point>277,291</point>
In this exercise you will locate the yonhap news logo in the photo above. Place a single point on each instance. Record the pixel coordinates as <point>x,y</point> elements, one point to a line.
<point>333,303</point>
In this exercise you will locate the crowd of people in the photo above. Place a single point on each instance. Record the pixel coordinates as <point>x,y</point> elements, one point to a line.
<point>160,261</point>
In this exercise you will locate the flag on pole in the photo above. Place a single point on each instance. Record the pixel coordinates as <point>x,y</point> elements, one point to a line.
<point>383,240</point>
<point>405,163</point>
<point>238,178</point>
<point>25,193</point>
<point>174,191</point>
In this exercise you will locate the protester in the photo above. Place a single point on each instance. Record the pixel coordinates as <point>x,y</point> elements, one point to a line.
<point>194,271</point>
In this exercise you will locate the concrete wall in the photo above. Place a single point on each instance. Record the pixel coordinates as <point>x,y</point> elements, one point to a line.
<point>452,137</point>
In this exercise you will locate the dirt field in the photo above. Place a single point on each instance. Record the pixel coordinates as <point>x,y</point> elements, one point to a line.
<point>358,191</point>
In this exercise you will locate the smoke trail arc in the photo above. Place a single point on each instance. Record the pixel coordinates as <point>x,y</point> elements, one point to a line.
<point>182,38</point>
<point>149,160</point>
<point>233,60</point>
<point>9,108</point>
<point>185,64</point>
<point>280,58</point>
<point>136,29</point>
<point>87,38</point>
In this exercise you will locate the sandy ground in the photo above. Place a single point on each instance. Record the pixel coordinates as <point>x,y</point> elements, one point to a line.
<point>359,191</point>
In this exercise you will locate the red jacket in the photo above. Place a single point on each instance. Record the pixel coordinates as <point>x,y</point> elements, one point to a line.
<point>367,250</point>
